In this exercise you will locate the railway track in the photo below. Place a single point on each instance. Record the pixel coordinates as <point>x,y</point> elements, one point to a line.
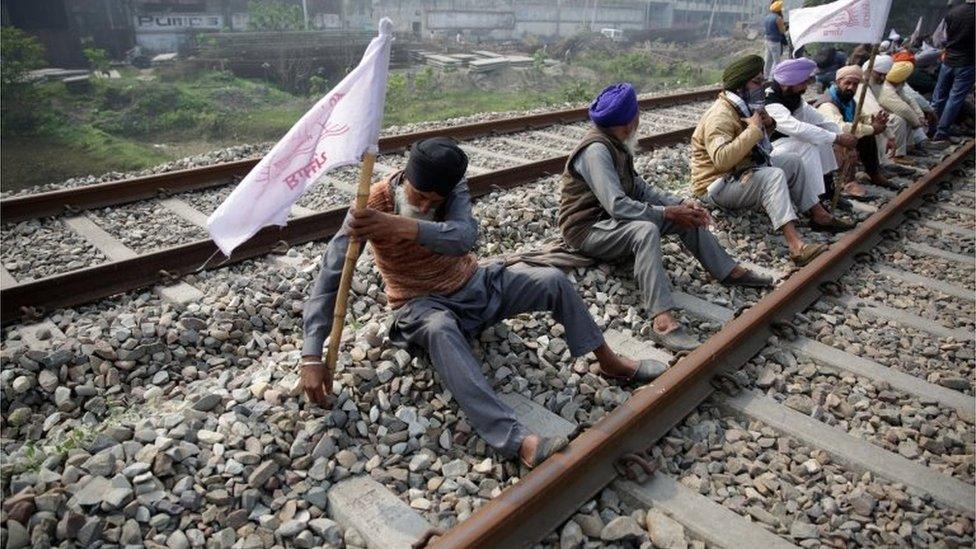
<point>111,250</point>
<point>852,424</point>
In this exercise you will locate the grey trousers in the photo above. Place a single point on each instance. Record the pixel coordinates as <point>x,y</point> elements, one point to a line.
<point>642,240</point>
<point>441,324</point>
<point>776,189</point>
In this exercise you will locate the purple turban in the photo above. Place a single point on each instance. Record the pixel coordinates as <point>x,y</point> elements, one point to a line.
<point>615,106</point>
<point>794,71</point>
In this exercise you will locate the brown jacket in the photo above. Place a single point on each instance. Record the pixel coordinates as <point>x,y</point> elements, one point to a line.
<point>722,143</point>
<point>579,208</point>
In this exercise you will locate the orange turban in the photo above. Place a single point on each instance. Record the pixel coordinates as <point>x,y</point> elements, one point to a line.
<point>903,56</point>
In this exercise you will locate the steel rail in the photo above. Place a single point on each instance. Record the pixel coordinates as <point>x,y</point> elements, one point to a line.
<point>106,279</point>
<point>75,199</point>
<point>531,509</point>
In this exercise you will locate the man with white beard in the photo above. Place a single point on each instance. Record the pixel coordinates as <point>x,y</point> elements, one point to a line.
<point>419,224</point>
<point>607,211</point>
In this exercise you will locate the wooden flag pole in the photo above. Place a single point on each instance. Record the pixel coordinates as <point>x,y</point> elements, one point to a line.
<point>348,269</point>
<point>849,159</point>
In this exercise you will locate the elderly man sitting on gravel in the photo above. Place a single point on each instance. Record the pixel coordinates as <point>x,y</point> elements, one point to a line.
<point>733,168</point>
<point>421,229</point>
<point>607,211</point>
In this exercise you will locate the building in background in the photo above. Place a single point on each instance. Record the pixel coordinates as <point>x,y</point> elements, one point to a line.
<point>159,26</point>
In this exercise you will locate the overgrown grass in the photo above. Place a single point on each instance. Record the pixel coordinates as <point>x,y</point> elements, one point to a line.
<point>119,124</point>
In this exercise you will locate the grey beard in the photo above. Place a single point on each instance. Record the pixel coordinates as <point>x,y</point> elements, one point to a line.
<point>406,209</point>
<point>632,145</point>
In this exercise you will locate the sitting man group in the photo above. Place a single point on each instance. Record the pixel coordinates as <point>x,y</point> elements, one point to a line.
<point>759,144</point>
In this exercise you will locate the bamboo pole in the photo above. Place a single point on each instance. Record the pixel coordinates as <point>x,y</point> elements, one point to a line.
<point>849,158</point>
<point>348,269</point>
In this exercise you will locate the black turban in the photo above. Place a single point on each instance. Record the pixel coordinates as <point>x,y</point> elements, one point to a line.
<point>741,71</point>
<point>436,164</point>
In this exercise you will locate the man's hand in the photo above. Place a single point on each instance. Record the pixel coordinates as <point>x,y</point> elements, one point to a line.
<point>757,120</point>
<point>846,140</point>
<point>687,216</point>
<point>696,205</point>
<point>879,122</point>
<point>369,224</point>
<point>316,380</point>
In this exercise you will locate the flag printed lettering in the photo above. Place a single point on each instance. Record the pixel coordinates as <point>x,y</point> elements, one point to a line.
<point>335,132</point>
<point>852,21</point>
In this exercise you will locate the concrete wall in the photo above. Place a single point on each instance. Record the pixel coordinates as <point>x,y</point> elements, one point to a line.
<point>505,19</point>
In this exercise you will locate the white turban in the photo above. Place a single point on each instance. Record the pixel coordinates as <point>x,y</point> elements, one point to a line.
<point>882,64</point>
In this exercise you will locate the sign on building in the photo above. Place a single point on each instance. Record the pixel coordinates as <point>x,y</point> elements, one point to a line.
<point>179,22</point>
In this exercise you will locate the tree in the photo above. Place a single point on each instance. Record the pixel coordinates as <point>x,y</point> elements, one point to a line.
<point>20,53</point>
<point>97,57</point>
<point>274,16</point>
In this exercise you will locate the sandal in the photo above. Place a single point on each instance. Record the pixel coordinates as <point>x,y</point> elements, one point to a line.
<point>647,370</point>
<point>835,225</point>
<point>748,279</point>
<point>677,339</point>
<point>808,253</point>
<point>547,446</point>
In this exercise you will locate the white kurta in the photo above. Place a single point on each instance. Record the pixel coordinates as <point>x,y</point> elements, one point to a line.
<point>897,126</point>
<point>811,136</point>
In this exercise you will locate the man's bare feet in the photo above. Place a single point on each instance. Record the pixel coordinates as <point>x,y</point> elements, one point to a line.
<point>528,447</point>
<point>665,322</point>
<point>614,365</point>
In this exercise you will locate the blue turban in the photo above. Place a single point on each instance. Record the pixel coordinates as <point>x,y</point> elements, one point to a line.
<point>615,106</point>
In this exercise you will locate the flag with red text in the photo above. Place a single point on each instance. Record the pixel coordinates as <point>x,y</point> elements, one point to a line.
<point>856,21</point>
<point>334,133</point>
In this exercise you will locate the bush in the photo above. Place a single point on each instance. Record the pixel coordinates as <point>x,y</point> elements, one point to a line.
<point>273,15</point>
<point>20,53</point>
<point>97,57</point>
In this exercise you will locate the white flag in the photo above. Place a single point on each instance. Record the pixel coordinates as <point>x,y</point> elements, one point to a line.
<point>334,133</point>
<point>857,21</point>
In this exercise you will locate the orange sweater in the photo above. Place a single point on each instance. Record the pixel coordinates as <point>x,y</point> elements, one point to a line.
<point>408,269</point>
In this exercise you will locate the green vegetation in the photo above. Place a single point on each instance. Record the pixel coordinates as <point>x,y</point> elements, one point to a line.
<point>139,120</point>
<point>273,15</point>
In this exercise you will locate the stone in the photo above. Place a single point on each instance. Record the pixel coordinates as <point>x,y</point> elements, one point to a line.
<point>326,529</point>
<point>571,536</point>
<point>131,533</point>
<point>101,464</point>
<point>290,528</point>
<point>209,437</point>
<point>665,532</point>
<point>177,540</point>
<point>621,528</point>
<point>362,504</point>
<point>119,492</point>
<point>803,530</point>
<point>863,504</point>
<point>17,536</point>
<point>47,380</point>
<point>455,468</point>
<point>206,403</point>
<point>325,448</point>
<point>92,493</point>
<point>262,473</point>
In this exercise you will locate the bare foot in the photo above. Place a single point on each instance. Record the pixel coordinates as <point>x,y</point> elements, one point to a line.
<point>737,271</point>
<point>665,322</point>
<point>527,449</point>
<point>614,365</point>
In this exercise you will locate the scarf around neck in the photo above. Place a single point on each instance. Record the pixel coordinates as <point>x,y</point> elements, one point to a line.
<point>848,108</point>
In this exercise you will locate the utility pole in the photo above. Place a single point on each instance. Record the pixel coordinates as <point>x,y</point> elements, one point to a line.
<point>711,19</point>
<point>305,12</point>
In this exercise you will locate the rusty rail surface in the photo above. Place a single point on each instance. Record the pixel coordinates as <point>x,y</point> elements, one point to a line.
<point>106,279</point>
<point>549,494</point>
<point>142,188</point>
